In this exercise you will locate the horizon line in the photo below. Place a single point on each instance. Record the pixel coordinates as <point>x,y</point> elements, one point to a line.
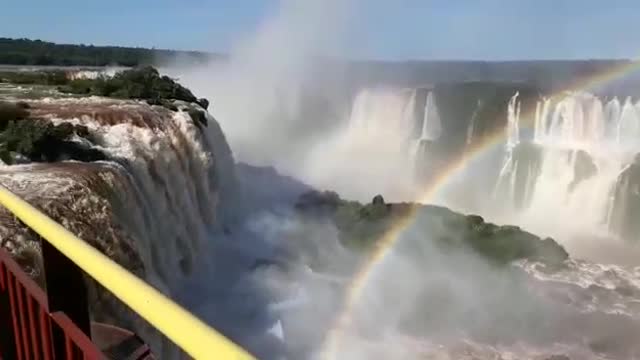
<point>334,58</point>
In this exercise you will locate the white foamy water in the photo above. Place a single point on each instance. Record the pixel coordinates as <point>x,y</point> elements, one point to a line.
<point>580,131</point>
<point>154,206</point>
<point>378,144</point>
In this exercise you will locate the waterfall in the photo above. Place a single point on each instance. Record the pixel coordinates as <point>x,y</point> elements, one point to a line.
<point>573,161</point>
<point>154,206</point>
<point>378,144</point>
<point>385,114</point>
<point>513,121</point>
<point>431,124</point>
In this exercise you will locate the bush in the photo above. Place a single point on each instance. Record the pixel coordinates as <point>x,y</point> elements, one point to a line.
<point>52,77</point>
<point>40,140</point>
<point>140,83</point>
<point>12,111</point>
<point>360,226</point>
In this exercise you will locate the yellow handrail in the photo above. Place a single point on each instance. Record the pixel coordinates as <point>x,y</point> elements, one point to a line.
<point>187,331</point>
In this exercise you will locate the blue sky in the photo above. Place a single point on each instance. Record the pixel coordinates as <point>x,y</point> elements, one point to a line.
<point>380,29</point>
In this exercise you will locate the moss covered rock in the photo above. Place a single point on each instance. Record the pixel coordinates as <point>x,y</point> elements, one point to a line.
<point>42,141</point>
<point>361,226</point>
<point>12,111</point>
<point>140,83</point>
<point>25,139</point>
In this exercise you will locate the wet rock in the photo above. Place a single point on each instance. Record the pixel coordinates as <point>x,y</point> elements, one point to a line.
<point>162,102</point>
<point>378,200</point>
<point>484,101</point>
<point>198,116</point>
<point>12,111</point>
<point>318,200</point>
<point>558,357</point>
<point>584,168</point>
<point>204,103</point>
<point>626,202</point>
<point>361,225</point>
<point>42,141</point>
<point>504,244</point>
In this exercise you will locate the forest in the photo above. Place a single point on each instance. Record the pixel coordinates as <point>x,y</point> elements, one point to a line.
<point>38,52</point>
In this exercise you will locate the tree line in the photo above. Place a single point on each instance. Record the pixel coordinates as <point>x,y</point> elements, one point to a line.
<point>38,52</point>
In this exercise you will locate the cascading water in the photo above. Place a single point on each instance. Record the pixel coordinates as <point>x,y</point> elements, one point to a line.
<point>385,132</point>
<point>559,180</point>
<point>431,124</point>
<point>513,121</point>
<point>152,205</point>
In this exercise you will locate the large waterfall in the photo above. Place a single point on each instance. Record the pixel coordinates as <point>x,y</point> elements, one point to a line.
<point>158,200</point>
<point>560,176</point>
<point>379,144</point>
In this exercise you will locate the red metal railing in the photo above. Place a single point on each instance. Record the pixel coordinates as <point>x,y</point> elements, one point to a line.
<point>29,324</point>
<point>55,323</point>
<point>28,330</point>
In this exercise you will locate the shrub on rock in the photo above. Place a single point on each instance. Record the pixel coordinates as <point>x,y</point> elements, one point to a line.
<point>140,83</point>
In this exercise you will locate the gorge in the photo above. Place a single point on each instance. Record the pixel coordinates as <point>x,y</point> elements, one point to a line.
<point>139,167</point>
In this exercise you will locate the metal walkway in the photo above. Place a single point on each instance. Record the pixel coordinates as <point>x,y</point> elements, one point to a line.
<point>55,324</point>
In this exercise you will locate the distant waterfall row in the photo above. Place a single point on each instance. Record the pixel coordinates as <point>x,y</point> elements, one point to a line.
<point>582,120</point>
<point>404,115</point>
<point>378,144</point>
<point>575,164</point>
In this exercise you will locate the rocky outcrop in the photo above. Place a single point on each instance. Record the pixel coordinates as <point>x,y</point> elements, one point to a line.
<point>625,202</point>
<point>138,83</point>
<point>584,167</point>
<point>361,225</point>
<point>42,141</point>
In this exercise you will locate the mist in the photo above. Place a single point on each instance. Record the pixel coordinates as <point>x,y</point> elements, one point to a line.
<point>423,299</point>
<point>284,100</point>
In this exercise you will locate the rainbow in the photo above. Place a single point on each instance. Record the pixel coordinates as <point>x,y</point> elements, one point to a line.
<point>440,182</point>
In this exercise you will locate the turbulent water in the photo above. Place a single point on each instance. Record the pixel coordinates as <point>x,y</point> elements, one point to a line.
<point>584,311</point>
<point>153,206</point>
<point>559,171</point>
<point>171,205</point>
<point>563,185</point>
<point>380,140</point>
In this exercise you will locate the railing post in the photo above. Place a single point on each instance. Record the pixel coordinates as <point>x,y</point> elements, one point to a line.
<point>7,337</point>
<point>66,292</point>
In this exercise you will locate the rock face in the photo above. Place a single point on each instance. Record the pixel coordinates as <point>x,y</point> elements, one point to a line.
<point>470,113</point>
<point>625,203</point>
<point>584,167</point>
<point>42,141</point>
<point>484,102</point>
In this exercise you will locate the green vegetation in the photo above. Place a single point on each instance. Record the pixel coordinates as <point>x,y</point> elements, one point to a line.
<point>139,83</point>
<point>25,139</point>
<point>144,83</point>
<point>361,225</point>
<point>36,52</point>
<point>51,77</point>
<point>42,141</point>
